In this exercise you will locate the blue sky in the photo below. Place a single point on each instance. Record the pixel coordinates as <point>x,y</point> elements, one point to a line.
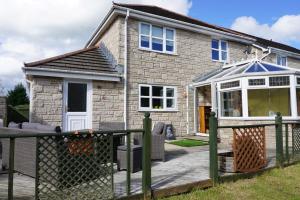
<point>224,13</point>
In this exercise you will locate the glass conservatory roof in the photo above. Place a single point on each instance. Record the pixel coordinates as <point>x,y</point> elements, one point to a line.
<point>245,68</point>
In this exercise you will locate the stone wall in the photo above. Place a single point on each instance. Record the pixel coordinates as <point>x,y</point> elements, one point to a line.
<point>193,57</point>
<point>46,104</point>
<point>3,109</point>
<point>107,102</point>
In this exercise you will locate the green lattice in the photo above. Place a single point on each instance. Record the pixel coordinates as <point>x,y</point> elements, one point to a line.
<point>74,167</point>
<point>296,140</point>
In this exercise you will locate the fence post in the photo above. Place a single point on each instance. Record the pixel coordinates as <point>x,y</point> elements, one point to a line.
<point>11,168</point>
<point>147,124</point>
<point>287,154</point>
<point>213,148</point>
<point>279,142</point>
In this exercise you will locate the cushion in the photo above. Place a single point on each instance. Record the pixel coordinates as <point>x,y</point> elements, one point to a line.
<point>1,122</point>
<point>13,125</point>
<point>158,128</point>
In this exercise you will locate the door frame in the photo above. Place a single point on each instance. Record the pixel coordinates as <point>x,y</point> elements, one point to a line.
<point>89,101</point>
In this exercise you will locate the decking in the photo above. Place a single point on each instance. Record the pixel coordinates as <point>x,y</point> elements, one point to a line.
<point>182,166</point>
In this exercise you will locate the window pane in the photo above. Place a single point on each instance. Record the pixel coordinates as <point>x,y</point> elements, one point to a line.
<point>231,104</point>
<point>170,92</point>
<point>279,81</point>
<point>215,54</point>
<point>170,34</point>
<point>283,61</point>
<point>298,100</point>
<point>278,60</point>
<point>230,84</point>
<point>170,46</point>
<point>145,91</point>
<point>157,91</point>
<point>157,44</point>
<point>145,29</point>
<point>77,93</point>
<point>145,41</point>
<point>157,31</point>
<point>215,44</point>
<point>157,103</point>
<point>170,103</point>
<point>224,45</point>
<point>266,102</point>
<point>145,102</point>
<point>259,81</point>
<point>224,55</point>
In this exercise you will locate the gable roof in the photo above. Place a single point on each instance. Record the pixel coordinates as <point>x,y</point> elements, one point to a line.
<point>90,59</point>
<point>173,15</point>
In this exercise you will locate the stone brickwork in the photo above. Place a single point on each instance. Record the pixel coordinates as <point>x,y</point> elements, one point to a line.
<point>47,99</point>
<point>3,108</point>
<point>193,57</point>
<point>107,102</point>
<point>110,42</point>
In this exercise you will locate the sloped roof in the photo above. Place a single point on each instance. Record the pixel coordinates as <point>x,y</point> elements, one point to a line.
<point>90,59</point>
<point>248,68</point>
<point>173,15</point>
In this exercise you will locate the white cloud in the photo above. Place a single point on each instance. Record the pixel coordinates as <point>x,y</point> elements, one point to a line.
<point>36,29</point>
<point>285,29</point>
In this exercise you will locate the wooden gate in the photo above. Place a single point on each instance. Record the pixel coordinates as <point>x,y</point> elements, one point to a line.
<point>249,149</point>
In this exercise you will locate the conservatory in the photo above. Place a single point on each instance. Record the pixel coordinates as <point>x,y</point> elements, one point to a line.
<point>249,90</point>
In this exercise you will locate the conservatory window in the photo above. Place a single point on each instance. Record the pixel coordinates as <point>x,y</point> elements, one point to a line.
<point>266,102</point>
<point>231,104</point>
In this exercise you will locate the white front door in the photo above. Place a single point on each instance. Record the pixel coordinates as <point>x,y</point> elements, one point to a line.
<point>77,105</point>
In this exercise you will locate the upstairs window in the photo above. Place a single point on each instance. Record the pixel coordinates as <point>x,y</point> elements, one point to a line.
<point>281,60</point>
<point>157,38</point>
<point>219,50</point>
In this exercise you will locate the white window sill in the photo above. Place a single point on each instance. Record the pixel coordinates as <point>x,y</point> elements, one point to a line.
<point>158,110</point>
<point>161,52</point>
<point>220,61</point>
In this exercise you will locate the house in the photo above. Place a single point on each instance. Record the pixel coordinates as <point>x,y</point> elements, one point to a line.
<point>145,58</point>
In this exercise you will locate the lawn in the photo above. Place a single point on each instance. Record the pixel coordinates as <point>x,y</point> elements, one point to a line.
<point>276,184</point>
<point>189,143</point>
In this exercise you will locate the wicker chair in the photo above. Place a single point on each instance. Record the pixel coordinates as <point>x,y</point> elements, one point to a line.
<point>157,143</point>
<point>118,140</point>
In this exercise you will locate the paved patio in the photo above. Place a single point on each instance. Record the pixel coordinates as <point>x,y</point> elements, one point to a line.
<point>182,165</point>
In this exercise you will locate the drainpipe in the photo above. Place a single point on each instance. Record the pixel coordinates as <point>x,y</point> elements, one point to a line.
<point>187,111</point>
<point>269,52</point>
<point>125,70</point>
<point>30,98</point>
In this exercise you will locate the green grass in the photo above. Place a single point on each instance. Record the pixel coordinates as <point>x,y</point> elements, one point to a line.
<point>276,184</point>
<point>189,143</point>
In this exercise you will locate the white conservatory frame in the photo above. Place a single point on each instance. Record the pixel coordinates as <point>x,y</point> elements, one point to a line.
<point>230,76</point>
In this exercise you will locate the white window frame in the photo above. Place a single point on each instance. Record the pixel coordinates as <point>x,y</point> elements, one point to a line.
<point>220,50</point>
<point>164,39</point>
<point>281,56</point>
<point>244,87</point>
<point>164,97</point>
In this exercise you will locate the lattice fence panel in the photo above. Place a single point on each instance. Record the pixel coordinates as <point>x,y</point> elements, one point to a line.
<point>75,167</point>
<point>296,140</point>
<point>249,149</point>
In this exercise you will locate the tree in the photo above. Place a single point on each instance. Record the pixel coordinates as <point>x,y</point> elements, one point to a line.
<point>17,96</point>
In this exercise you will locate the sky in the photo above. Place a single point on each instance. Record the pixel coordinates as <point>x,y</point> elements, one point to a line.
<point>35,29</point>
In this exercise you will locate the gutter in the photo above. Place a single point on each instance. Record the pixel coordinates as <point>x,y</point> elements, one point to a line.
<point>125,68</point>
<point>35,71</point>
<point>291,54</point>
